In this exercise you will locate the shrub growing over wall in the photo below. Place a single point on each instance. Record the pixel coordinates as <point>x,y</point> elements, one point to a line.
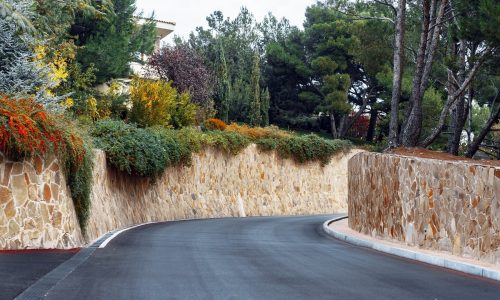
<point>133,150</point>
<point>27,130</point>
<point>229,142</point>
<point>148,152</point>
<point>80,176</point>
<point>305,148</point>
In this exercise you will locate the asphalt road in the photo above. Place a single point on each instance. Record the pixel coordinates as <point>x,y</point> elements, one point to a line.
<point>19,270</point>
<point>256,258</point>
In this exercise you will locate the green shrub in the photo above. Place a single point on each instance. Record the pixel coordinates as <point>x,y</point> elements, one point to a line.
<point>192,138</point>
<point>305,148</point>
<point>188,140</point>
<point>80,180</point>
<point>178,144</point>
<point>148,152</point>
<point>133,150</point>
<point>267,144</point>
<point>230,142</point>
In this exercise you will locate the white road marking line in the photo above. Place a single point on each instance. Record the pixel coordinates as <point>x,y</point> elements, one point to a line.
<point>103,244</point>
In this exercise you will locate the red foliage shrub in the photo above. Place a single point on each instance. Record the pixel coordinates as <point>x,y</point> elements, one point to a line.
<point>26,129</point>
<point>187,71</point>
<point>215,124</point>
<point>360,126</point>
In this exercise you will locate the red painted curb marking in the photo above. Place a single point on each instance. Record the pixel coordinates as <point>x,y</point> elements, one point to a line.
<point>34,251</point>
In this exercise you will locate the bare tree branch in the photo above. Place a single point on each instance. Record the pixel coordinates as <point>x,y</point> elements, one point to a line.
<point>361,110</point>
<point>479,139</point>
<point>450,101</point>
<point>386,3</point>
<point>355,17</point>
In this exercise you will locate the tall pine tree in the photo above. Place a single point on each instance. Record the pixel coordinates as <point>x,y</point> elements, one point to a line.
<point>223,86</point>
<point>254,112</point>
<point>265,100</point>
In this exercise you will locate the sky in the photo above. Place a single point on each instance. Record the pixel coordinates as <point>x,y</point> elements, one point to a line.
<point>189,14</point>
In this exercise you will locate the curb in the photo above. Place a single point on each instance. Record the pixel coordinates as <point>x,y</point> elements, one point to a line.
<point>426,258</point>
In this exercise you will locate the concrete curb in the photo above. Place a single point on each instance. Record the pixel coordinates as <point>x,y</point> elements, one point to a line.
<point>426,258</point>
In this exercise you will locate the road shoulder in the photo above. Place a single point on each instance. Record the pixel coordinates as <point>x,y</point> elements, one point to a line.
<point>339,229</point>
<point>20,269</point>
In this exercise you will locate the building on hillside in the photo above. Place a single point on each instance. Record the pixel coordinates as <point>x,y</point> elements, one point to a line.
<point>163,29</point>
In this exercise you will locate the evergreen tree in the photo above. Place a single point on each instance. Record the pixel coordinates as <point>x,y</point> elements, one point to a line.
<point>312,70</point>
<point>239,39</point>
<point>21,75</point>
<point>112,43</point>
<point>223,87</point>
<point>265,99</point>
<point>255,107</point>
<point>239,105</point>
<point>9,11</point>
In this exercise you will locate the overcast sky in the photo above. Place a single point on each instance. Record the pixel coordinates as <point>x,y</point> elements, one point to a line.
<point>188,14</point>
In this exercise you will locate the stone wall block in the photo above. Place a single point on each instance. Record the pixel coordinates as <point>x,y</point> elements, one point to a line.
<point>450,206</point>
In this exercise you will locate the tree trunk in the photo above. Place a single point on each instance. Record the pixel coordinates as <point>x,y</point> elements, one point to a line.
<point>413,124</point>
<point>469,123</point>
<point>432,20</point>
<point>398,73</point>
<point>372,126</point>
<point>333,126</point>
<point>420,61</point>
<point>457,120</point>
<point>431,51</point>
<point>479,139</point>
<point>342,132</point>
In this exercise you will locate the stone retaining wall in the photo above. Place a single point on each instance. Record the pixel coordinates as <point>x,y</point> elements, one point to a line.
<point>36,210</point>
<point>433,204</point>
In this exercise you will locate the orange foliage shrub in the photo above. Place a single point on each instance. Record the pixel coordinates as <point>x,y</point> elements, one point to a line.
<point>27,129</point>
<point>258,132</point>
<point>215,124</point>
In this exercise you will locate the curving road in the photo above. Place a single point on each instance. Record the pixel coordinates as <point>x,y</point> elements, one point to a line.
<point>256,258</point>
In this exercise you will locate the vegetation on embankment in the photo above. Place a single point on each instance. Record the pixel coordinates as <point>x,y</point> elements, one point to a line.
<point>149,151</point>
<point>28,130</point>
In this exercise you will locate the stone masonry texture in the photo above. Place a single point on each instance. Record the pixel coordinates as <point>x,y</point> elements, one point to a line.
<point>36,210</point>
<point>451,206</point>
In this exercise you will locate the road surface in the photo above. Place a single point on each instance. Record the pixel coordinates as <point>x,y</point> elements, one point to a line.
<point>256,258</point>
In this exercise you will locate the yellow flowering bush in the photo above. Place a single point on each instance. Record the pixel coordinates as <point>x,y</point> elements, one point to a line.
<point>57,61</point>
<point>69,103</point>
<point>156,102</point>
